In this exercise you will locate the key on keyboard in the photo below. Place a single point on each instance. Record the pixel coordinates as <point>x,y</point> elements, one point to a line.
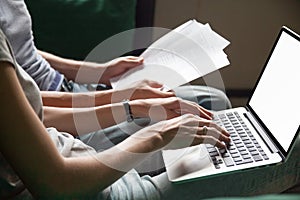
<point>243,147</point>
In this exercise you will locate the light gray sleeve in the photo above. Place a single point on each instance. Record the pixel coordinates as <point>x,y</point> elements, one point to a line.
<point>16,24</point>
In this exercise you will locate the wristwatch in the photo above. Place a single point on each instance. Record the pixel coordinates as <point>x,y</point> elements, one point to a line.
<point>66,86</point>
<point>128,112</point>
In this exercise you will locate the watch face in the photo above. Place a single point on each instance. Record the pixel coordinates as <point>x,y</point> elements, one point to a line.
<point>128,110</point>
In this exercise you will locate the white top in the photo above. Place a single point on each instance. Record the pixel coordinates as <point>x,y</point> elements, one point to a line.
<point>15,22</point>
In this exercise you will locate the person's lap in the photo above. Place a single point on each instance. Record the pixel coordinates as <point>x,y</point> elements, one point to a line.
<point>266,180</point>
<point>208,97</point>
<point>247,183</point>
<point>264,197</point>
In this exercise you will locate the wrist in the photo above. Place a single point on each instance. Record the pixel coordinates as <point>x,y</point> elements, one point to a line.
<point>86,72</point>
<point>138,108</point>
<point>128,112</point>
<point>152,137</point>
<point>96,71</point>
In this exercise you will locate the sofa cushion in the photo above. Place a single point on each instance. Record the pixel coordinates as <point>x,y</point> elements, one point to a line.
<point>72,28</point>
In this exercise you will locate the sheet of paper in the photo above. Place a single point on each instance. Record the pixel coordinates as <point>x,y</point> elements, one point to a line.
<point>190,51</point>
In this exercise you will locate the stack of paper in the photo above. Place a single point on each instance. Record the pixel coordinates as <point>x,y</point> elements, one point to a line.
<point>190,51</point>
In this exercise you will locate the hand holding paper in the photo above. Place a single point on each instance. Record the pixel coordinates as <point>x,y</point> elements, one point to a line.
<point>190,51</point>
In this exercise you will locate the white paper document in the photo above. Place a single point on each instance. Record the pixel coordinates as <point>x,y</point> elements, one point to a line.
<point>186,53</point>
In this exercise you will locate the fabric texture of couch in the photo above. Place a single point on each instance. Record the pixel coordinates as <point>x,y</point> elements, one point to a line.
<point>72,28</point>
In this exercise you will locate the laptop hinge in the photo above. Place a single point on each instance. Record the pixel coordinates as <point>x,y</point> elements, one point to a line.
<point>261,132</point>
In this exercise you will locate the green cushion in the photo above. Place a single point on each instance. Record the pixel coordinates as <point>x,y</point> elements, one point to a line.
<point>264,197</point>
<point>72,28</point>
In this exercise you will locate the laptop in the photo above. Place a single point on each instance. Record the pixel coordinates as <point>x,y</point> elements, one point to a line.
<point>263,132</point>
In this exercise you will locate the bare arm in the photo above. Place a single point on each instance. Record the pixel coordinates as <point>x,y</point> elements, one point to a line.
<point>28,148</point>
<point>76,100</point>
<point>91,72</point>
<point>79,121</point>
<point>30,151</point>
<point>141,90</point>
<point>67,67</point>
<point>47,174</point>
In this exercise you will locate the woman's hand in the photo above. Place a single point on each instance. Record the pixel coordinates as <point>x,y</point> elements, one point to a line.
<point>166,108</point>
<point>145,89</point>
<point>190,130</point>
<point>183,131</point>
<point>118,67</point>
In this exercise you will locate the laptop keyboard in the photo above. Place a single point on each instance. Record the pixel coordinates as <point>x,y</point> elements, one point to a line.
<point>243,147</point>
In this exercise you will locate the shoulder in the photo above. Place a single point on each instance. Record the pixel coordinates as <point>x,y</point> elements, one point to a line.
<point>5,50</point>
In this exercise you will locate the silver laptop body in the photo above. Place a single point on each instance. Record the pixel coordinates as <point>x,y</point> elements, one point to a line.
<point>263,132</point>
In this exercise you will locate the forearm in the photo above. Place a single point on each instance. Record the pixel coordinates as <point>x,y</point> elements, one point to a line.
<point>79,121</point>
<point>42,169</point>
<point>88,99</point>
<point>56,99</point>
<point>89,175</point>
<point>66,66</point>
<point>47,174</point>
<point>79,71</point>
<point>77,100</point>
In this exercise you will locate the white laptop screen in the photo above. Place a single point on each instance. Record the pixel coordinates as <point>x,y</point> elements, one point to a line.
<point>276,99</point>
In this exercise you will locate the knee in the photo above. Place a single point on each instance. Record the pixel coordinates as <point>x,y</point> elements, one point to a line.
<point>215,100</point>
<point>208,97</point>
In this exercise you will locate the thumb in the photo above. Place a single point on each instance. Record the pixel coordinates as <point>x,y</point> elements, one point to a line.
<point>154,84</point>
